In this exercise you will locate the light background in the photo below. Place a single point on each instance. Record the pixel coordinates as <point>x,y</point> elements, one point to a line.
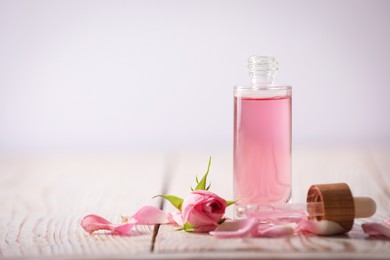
<point>158,75</point>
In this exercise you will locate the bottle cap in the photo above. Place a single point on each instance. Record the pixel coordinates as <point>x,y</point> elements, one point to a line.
<point>338,204</point>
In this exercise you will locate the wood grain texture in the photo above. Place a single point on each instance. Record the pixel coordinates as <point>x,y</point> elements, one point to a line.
<point>42,200</point>
<point>298,246</point>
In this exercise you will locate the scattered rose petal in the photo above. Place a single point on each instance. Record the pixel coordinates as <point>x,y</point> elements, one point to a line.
<point>376,229</point>
<point>275,231</point>
<point>92,223</point>
<point>251,227</point>
<point>234,229</point>
<point>323,227</point>
<point>124,229</point>
<point>149,215</point>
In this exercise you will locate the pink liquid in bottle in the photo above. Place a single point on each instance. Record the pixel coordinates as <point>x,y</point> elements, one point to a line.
<point>262,150</point>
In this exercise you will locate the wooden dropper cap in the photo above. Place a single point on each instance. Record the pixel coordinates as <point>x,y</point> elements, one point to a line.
<point>338,204</point>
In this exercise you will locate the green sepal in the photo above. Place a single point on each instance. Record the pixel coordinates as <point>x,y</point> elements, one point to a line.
<point>188,227</point>
<point>230,202</point>
<point>202,184</point>
<point>174,200</point>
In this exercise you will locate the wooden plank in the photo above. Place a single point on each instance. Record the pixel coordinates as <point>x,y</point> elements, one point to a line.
<point>43,200</point>
<point>300,246</point>
<point>310,166</point>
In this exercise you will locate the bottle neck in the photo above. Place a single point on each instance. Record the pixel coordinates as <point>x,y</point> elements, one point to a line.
<point>262,70</point>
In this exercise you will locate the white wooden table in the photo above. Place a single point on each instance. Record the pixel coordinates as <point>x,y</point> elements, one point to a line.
<point>43,198</point>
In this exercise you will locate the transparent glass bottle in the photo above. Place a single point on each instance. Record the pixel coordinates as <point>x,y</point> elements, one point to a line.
<point>262,139</point>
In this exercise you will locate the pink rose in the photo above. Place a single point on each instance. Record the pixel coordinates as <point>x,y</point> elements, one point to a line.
<point>203,210</point>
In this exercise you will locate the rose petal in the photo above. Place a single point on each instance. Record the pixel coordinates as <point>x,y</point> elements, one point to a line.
<point>149,215</point>
<point>276,231</point>
<point>177,218</point>
<point>234,229</point>
<point>124,229</point>
<point>242,228</point>
<point>323,227</point>
<point>92,223</point>
<point>376,229</point>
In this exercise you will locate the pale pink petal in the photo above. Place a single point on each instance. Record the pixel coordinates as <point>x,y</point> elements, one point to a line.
<point>376,229</point>
<point>92,223</point>
<point>124,229</point>
<point>276,231</point>
<point>323,227</point>
<point>176,218</point>
<point>149,215</point>
<point>234,229</point>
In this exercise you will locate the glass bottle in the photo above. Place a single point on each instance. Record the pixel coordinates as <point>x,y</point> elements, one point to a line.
<point>262,139</point>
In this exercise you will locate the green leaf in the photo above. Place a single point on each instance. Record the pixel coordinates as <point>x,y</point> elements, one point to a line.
<point>230,202</point>
<point>174,200</point>
<point>188,228</point>
<point>202,184</point>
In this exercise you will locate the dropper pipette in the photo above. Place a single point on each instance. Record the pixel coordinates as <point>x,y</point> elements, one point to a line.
<point>364,207</point>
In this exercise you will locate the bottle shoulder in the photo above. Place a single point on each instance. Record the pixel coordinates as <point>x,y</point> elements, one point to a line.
<point>262,91</point>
